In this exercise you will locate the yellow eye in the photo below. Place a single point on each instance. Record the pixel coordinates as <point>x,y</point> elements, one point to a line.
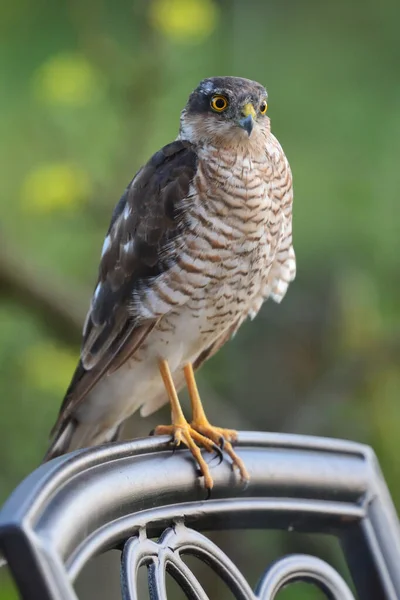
<point>219,103</point>
<point>263,107</point>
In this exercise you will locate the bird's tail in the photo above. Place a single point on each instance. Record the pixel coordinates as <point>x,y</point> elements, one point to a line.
<point>75,435</point>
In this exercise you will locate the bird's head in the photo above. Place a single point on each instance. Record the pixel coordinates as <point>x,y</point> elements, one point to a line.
<point>224,110</point>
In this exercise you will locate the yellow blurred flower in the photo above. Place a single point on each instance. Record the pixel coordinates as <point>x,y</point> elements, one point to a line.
<point>53,186</point>
<point>184,20</point>
<point>67,79</point>
<point>49,368</point>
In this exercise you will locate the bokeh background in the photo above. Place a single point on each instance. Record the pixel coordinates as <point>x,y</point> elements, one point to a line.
<point>88,91</point>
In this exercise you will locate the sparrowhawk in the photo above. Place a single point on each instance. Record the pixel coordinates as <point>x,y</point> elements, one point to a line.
<point>200,238</point>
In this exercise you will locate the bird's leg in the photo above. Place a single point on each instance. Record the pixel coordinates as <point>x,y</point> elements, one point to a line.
<point>200,423</point>
<point>180,429</point>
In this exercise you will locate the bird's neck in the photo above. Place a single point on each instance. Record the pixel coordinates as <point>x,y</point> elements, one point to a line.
<point>237,142</point>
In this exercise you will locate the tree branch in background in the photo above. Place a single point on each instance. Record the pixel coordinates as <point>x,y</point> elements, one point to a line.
<point>60,307</point>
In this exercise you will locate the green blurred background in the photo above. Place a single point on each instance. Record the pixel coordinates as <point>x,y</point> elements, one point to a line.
<point>89,90</point>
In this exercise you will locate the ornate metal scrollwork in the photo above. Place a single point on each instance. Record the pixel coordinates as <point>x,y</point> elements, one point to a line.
<point>164,557</point>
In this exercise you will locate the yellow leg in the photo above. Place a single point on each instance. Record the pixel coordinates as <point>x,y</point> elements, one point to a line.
<point>200,423</point>
<point>180,429</point>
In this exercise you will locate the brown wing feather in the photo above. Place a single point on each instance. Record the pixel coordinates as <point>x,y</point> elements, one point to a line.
<point>142,242</point>
<point>84,380</point>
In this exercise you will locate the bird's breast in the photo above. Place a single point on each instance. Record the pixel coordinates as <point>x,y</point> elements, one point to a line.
<point>232,230</point>
<point>235,221</point>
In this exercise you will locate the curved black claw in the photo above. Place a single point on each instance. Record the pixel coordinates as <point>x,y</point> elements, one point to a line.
<point>222,442</point>
<point>218,452</point>
<point>152,432</point>
<point>245,484</point>
<point>208,490</point>
<point>175,444</point>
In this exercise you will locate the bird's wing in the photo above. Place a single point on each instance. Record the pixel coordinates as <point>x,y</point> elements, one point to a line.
<point>142,243</point>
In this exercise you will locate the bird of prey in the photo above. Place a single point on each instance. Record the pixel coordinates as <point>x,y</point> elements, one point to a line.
<point>199,239</point>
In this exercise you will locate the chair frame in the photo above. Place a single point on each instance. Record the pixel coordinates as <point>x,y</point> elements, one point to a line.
<point>124,495</point>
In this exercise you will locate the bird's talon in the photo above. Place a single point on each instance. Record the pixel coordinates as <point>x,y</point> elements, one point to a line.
<point>218,452</point>
<point>246,483</point>
<point>184,433</point>
<point>212,439</point>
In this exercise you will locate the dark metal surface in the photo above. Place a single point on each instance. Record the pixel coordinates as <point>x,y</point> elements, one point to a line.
<point>125,494</point>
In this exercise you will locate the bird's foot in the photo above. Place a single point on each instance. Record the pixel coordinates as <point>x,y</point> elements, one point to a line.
<point>223,438</point>
<point>183,432</point>
<point>218,434</point>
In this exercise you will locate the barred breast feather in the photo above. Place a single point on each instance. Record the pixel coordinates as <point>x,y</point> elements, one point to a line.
<point>236,249</point>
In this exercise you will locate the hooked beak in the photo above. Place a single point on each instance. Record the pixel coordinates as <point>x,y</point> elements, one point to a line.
<point>249,114</point>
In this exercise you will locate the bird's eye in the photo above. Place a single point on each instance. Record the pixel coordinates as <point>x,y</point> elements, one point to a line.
<point>219,103</point>
<point>263,107</point>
